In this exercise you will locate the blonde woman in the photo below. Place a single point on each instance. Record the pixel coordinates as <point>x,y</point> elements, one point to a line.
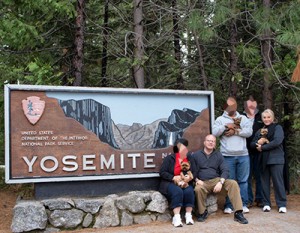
<point>271,161</point>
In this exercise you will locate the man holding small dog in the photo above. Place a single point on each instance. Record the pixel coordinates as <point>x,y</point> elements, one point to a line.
<point>211,173</point>
<point>233,130</point>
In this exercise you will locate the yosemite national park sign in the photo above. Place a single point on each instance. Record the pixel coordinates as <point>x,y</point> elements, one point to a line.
<point>77,133</point>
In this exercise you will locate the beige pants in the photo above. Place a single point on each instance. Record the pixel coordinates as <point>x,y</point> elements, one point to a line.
<point>230,188</point>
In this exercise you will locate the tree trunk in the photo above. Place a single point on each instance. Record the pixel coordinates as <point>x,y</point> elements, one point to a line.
<point>233,59</point>
<point>104,81</point>
<point>79,40</point>
<point>138,69</point>
<point>267,56</point>
<point>200,4</point>
<point>203,76</point>
<point>180,84</point>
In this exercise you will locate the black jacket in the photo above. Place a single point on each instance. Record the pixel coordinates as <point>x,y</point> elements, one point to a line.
<point>257,124</point>
<point>167,172</point>
<point>274,148</point>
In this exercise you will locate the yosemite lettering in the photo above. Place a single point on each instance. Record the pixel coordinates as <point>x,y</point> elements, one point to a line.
<point>50,163</point>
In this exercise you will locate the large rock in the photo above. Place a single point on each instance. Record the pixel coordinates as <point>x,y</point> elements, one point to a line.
<point>89,205</point>
<point>28,216</point>
<point>158,204</point>
<point>58,204</point>
<point>108,215</point>
<point>143,219</point>
<point>135,207</point>
<point>132,202</point>
<point>66,218</point>
<point>88,219</point>
<point>126,219</point>
<point>212,203</point>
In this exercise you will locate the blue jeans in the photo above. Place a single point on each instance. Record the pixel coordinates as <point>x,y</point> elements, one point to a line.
<point>179,197</point>
<point>254,171</point>
<point>239,167</point>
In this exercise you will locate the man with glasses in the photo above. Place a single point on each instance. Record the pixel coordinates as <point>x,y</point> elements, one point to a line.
<point>211,176</point>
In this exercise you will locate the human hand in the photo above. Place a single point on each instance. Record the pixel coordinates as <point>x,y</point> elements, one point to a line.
<point>229,132</point>
<point>177,179</point>
<point>187,178</point>
<point>199,182</point>
<point>218,187</point>
<point>258,147</point>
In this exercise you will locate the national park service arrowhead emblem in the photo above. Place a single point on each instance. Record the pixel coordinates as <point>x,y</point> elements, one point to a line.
<point>33,108</point>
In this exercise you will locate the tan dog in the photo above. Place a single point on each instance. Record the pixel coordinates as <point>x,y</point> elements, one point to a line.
<point>263,136</point>
<point>186,175</point>
<point>231,127</point>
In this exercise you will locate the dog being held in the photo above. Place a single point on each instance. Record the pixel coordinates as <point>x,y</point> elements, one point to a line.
<point>230,128</point>
<point>186,175</point>
<point>263,136</point>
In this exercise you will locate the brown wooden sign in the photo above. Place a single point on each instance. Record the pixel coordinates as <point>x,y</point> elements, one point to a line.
<point>65,134</point>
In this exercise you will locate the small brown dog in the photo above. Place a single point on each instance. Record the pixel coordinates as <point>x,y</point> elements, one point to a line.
<point>231,127</point>
<point>263,136</point>
<point>185,174</point>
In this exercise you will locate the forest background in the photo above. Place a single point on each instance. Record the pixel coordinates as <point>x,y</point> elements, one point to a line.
<point>234,48</point>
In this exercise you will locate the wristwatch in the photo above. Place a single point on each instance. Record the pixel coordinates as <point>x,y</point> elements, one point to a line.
<point>222,180</point>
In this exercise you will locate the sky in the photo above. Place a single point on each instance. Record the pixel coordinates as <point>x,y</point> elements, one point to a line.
<point>144,108</point>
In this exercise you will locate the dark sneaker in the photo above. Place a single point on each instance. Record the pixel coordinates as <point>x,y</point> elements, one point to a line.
<point>239,217</point>
<point>202,217</point>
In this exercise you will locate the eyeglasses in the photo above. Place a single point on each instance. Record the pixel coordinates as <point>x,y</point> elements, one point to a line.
<point>211,141</point>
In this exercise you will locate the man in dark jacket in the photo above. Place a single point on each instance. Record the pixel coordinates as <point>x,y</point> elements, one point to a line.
<point>211,172</point>
<point>252,113</point>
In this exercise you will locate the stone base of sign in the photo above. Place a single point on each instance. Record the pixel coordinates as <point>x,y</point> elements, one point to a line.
<point>53,215</point>
<point>93,188</point>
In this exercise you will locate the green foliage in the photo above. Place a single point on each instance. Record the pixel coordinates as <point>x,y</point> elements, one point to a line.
<point>2,178</point>
<point>223,12</point>
<point>140,62</point>
<point>22,35</point>
<point>196,23</point>
<point>23,22</point>
<point>293,145</point>
<point>42,74</point>
<point>289,37</point>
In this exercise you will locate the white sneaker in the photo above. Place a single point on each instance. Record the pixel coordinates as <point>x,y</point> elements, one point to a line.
<point>228,210</point>
<point>266,208</point>
<point>188,219</point>
<point>245,209</point>
<point>177,221</point>
<point>282,210</point>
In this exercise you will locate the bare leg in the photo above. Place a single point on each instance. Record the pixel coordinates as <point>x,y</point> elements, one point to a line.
<point>177,210</point>
<point>188,209</point>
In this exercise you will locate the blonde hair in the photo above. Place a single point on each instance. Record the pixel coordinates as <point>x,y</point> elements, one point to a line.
<point>270,112</point>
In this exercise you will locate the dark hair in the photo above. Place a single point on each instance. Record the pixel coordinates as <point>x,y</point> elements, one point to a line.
<point>181,141</point>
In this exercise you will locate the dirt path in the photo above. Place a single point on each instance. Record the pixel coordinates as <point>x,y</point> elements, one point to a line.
<point>218,222</point>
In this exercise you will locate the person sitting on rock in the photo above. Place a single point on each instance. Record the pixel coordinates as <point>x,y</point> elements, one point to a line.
<point>211,172</point>
<point>177,196</point>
